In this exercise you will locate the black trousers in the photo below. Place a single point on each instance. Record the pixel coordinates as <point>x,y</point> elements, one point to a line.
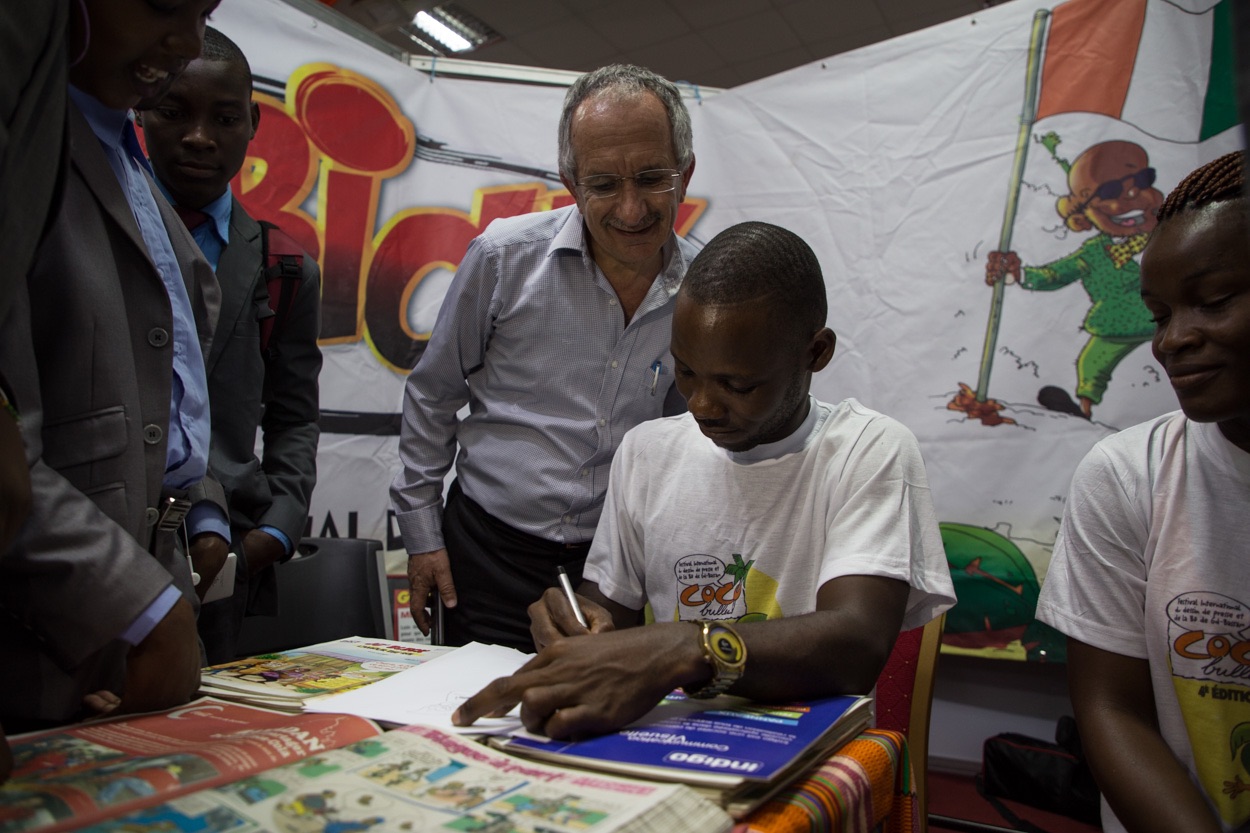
<point>499,572</point>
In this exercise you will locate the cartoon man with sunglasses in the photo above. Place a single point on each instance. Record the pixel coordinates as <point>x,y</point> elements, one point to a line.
<point>1112,191</point>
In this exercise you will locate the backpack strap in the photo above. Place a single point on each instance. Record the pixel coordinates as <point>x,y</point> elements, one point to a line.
<point>284,269</point>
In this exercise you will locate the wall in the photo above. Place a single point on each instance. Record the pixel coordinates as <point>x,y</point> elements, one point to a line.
<point>977,698</point>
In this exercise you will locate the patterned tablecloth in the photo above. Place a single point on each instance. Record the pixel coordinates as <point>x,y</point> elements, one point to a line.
<point>867,786</point>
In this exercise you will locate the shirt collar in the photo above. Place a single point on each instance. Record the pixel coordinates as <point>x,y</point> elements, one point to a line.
<point>786,445</point>
<point>572,236</point>
<point>112,127</point>
<point>218,210</point>
<point>106,123</point>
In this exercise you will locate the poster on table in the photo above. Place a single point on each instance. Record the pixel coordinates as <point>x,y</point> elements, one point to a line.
<point>904,164</point>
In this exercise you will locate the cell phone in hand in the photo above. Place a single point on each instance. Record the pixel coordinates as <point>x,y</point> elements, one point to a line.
<point>223,585</point>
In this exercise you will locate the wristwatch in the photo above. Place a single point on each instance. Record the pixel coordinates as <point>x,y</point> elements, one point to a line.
<point>725,652</point>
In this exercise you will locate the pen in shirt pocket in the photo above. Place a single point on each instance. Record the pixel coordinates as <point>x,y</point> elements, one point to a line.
<point>656,367</point>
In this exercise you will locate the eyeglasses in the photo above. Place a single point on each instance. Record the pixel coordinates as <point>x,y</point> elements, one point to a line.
<point>658,181</point>
<point>1113,188</point>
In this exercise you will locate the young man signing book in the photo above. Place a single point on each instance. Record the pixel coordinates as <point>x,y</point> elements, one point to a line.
<point>781,542</point>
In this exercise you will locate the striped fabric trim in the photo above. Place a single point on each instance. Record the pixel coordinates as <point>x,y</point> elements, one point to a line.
<point>866,786</point>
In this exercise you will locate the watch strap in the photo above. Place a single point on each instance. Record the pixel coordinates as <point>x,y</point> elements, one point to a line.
<point>725,652</point>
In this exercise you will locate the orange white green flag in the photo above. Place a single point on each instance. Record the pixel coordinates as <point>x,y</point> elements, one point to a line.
<point>1107,57</point>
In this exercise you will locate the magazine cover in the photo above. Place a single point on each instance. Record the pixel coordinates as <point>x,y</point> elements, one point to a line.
<point>327,668</point>
<point>717,743</point>
<point>70,777</point>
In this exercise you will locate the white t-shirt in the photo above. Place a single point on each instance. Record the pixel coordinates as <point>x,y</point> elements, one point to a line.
<point>1152,561</point>
<point>705,533</point>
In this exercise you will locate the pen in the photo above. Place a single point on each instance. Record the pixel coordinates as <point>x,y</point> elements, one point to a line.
<point>655,379</point>
<point>571,596</point>
<point>436,620</point>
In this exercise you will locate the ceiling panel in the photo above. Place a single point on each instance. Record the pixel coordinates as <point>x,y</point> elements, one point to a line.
<point>712,43</point>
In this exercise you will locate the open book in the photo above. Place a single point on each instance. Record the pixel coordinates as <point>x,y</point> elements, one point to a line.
<point>210,766</point>
<point>732,751</point>
<point>287,680</point>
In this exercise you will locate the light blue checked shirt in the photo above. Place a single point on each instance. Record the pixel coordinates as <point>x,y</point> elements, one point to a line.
<point>532,337</point>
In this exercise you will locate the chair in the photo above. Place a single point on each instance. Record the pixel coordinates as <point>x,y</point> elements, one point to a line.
<point>333,588</point>
<point>905,697</point>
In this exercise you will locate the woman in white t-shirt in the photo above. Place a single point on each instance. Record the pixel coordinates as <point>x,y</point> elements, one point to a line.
<point>1149,578</point>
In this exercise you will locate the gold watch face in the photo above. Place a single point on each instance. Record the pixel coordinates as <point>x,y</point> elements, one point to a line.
<point>725,645</point>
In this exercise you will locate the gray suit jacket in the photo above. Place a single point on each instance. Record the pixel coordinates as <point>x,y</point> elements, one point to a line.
<point>281,398</point>
<point>90,362</point>
<point>32,130</point>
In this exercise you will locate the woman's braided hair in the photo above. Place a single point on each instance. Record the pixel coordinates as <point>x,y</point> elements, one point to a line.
<point>1217,181</point>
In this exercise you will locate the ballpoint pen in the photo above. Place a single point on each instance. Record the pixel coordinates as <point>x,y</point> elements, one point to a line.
<point>571,596</point>
<point>436,620</point>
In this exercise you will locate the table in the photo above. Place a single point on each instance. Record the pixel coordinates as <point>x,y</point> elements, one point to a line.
<point>867,786</point>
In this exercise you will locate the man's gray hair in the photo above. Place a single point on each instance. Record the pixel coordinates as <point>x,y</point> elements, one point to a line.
<point>626,81</point>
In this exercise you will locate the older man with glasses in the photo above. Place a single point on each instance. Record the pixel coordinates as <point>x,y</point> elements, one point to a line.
<point>555,332</point>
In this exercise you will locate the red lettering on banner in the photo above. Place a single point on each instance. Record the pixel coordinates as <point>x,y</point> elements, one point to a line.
<point>343,134</point>
<point>278,175</point>
<point>415,243</point>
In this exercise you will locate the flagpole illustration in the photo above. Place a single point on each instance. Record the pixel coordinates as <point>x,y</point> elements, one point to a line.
<point>1028,115</point>
<point>975,403</point>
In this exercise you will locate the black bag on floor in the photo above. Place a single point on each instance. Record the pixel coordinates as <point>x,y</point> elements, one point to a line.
<point>1049,776</point>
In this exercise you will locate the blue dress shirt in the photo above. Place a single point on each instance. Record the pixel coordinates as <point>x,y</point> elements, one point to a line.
<point>212,237</point>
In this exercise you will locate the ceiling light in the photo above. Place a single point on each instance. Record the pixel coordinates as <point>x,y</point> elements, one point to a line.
<point>441,32</point>
<point>449,29</point>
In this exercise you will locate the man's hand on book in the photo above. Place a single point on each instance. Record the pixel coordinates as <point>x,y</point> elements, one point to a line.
<point>589,685</point>
<point>552,618</point>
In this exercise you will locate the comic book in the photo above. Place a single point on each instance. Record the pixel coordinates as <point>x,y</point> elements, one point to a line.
<point>78,775</point>
<point>288,679</point>
<point>734,752</point>
<point>419,778</point>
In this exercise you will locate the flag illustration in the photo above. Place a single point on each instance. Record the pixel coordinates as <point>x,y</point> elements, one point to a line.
<point>1103,57</point>
<point>1115,58</point>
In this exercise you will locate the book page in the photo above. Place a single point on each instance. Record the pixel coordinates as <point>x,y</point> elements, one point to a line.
<point>431,692</point>
<point>419,778</point>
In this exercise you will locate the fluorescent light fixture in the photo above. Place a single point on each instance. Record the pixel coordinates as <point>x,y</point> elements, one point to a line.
<point>447,28</point>
<point>441,32</point>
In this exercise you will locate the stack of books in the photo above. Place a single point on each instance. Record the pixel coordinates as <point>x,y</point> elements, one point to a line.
<point>288,680</point>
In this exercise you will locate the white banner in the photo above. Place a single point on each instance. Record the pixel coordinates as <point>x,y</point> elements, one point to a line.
<point>898,163</point>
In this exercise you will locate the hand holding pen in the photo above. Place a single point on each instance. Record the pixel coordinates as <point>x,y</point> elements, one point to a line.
<point>561,613</point>
<point>567,587</point>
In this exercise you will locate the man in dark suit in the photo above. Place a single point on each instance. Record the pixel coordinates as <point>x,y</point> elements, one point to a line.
<point>32,132</point>
<point>103,346</point>
<point>197,138</point>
